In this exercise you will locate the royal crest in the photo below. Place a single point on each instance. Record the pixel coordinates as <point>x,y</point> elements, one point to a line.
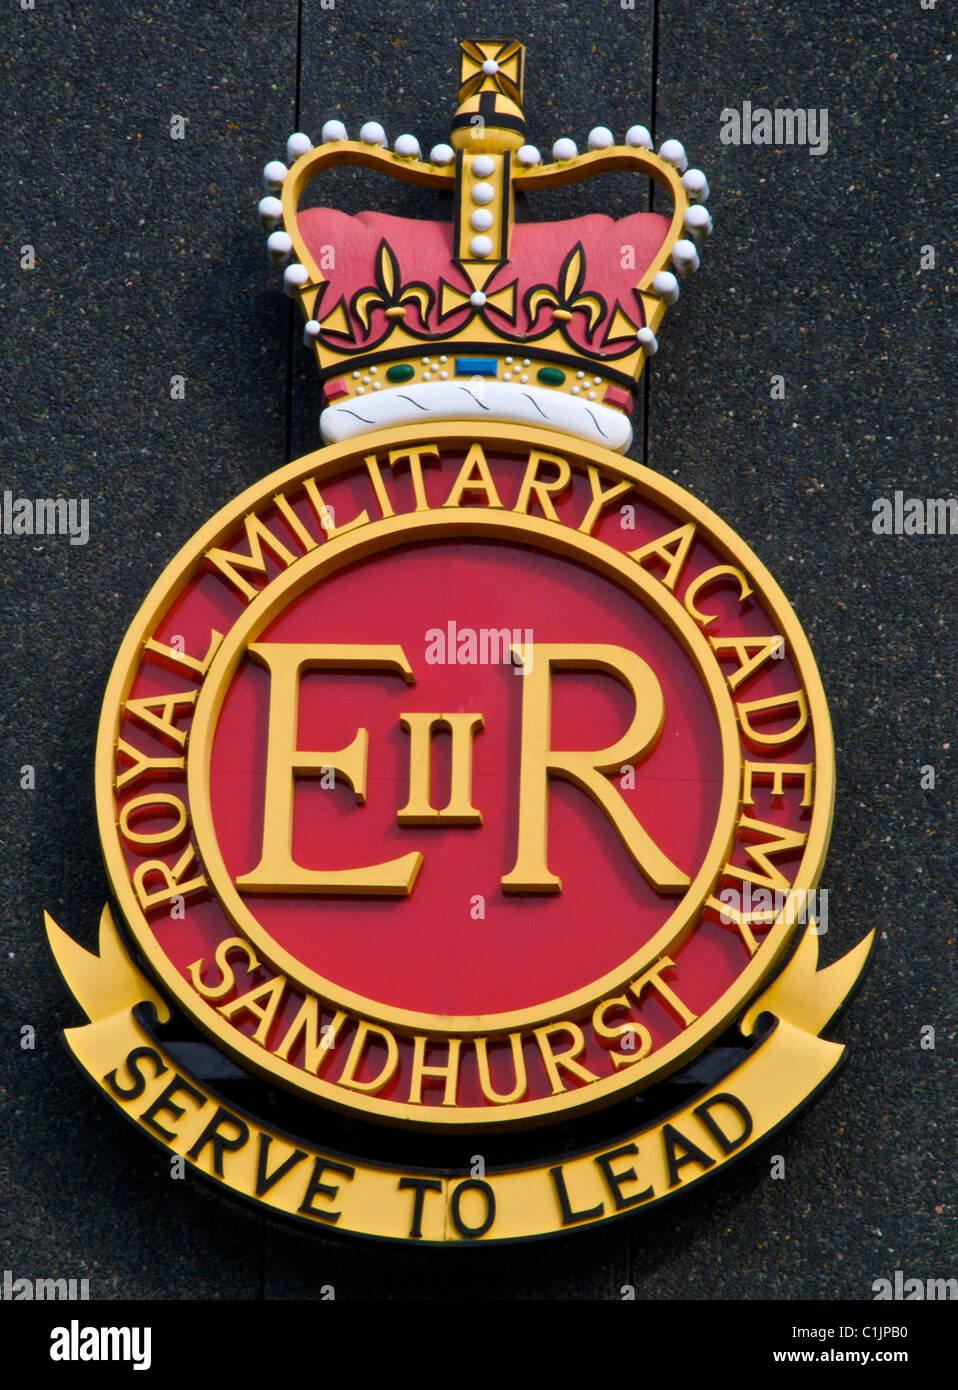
<point>464,779</point>
<point>483,316</point>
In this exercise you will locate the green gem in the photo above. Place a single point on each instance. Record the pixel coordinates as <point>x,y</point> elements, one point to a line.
<point>550,376</point>
<point>401,372</point>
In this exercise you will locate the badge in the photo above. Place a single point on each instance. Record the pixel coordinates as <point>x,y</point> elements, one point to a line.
<point>464,786</point>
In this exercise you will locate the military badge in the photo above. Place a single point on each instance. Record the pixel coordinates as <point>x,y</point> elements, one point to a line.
<point>465,784</point>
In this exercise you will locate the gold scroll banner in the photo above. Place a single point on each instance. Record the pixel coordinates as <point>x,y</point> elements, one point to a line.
<point>326,1188</point>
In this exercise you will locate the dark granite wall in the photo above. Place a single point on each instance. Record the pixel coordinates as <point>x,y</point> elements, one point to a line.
<point>150,262</point>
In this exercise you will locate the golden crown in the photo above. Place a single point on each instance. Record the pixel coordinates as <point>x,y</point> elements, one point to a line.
<point>545,323</point>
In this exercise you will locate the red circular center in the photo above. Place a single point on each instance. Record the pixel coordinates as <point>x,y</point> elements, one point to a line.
<point>459,945</point>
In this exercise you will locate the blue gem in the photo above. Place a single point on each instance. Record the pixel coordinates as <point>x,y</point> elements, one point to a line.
<point>477,366</point>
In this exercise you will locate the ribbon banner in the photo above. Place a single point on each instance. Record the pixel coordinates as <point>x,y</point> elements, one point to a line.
<point>324,1187</point>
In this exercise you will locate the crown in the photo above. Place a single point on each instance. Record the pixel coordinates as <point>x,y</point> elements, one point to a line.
<point>546,323</point>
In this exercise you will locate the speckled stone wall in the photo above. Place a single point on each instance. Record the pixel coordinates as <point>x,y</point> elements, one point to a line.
<point>149,262</point>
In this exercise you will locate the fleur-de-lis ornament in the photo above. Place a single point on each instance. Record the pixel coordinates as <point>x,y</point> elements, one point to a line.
<point>568,298</point>
<point>391,296</point>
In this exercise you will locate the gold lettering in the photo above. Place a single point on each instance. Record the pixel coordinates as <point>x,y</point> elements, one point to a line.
<point>276,871</point>
<point>172,877</point>
<point>220,991</point>
<point>324,514</point>
<point>518,1066</point>
<point>179,661</point>
<point>162,723</point>
<point>532,484</point>
<point>778,772</point>
<point>641,1036</point>
<point>554,1060</point>
<point>153,837</point>
<point>474,476</point>
<point>262,1001</point>
<point>365,1031</point>
<point>449,1073</point>
<point>710,577</point>
<point>742,647</point>
<point>379,487</point>
<point>743,921</point>
<point>653,979</point>
<point>419,809</point>
<point>258,537</point>
<point>756,707</point>
<point>585,770</point>
<point>672,550</point>
<point>143,763</point>
<point>780,841</point>
<point>316,1046</point>
<point>415,458</point>
<point>307,541</point>
<point>600,499</point>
